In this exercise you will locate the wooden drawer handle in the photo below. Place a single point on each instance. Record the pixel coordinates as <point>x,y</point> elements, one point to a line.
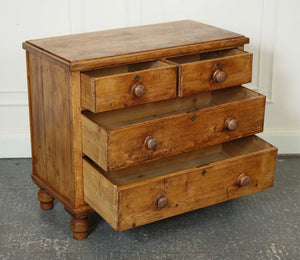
<point>150,142</point>
<point>161,202</point>
<point>138,90</point>
<point>219,76</point>
<point>243,180</point>
<point>231,123</point>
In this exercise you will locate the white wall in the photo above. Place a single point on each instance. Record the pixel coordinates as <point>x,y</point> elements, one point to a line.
<point>282,125</point>
<point>272,26</point>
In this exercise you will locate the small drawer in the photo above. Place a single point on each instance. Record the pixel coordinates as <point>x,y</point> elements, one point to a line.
<point>213,70</point>
<point>121,138</point>
<point>142,194</point>
<point>128,85</point>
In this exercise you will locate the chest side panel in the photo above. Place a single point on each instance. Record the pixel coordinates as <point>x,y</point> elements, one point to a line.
<point>51,125</point>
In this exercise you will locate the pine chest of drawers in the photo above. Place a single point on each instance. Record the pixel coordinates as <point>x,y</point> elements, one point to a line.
<point>144,123</point>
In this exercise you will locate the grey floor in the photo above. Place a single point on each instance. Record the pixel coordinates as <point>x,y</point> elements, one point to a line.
<point>264,225</point>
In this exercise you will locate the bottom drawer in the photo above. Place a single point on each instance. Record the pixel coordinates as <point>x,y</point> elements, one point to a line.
<point>142,194</point>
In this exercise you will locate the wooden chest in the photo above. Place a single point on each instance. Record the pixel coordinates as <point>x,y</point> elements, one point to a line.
<point>144,123</point>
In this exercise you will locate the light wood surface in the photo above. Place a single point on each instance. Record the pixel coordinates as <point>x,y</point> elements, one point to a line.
<point>129,45</point>
<point>55,116</point>
<point>197,73</point>
<point>177,130</point>
<point>99,190</point>
<point>95,140</point>
<point>185,189</point>
<point>51,128</point>
<point>76,137</point>
<point>150,111</point>
<point>132,122</point>
<point>113,88</point>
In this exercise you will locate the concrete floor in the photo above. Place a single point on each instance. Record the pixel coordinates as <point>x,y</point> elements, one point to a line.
<point>264,225</point>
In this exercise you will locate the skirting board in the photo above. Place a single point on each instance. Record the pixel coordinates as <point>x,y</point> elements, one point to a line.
<point>18,145</point>
<point>15,145</point>
<point>288,142</point>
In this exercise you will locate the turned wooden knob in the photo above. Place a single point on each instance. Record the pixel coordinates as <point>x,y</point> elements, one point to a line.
<point>219,76</point>
<point>243,180</point>
<point>161,202</point>
<point>231,123</point>
<point>150,142</point>
<point>138,90</point>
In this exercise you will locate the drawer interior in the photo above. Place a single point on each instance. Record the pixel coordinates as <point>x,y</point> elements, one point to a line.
<point>206,56</point>
<point>128,68</point>
<point>194,159</point>
<point>146,112</point>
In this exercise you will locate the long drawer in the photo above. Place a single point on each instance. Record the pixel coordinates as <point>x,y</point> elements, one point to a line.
<point>122,138</point>
<point>149,192</point>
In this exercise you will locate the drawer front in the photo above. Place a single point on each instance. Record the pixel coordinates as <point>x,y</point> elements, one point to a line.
<point>128,85</point>
<point>169,135</point>
<point>214,71</point>
<point>132,204</point>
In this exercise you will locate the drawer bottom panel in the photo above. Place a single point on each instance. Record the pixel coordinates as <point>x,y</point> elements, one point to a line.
<point>146,193</point>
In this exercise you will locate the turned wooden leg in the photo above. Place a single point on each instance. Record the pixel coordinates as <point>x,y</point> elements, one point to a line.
<point>79,226</point>
<point>46,201</point>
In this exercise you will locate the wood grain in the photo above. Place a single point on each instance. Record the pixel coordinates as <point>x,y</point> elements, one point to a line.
<point>111,88</point>
<point>99,190</point>
<point>176,131</point>
<point>76,143</point>
<point>50,127</point>
<point>165,166</point>
<point>55,115</point>
<point>68,205</point>
<point>196,71</point>
<point>185,189</point>
<point>46,201</point>
<point>147,112</point>
<point>104,48</point>
<point>79,227</point>
<point>95,142</point>
<point>159,154</point>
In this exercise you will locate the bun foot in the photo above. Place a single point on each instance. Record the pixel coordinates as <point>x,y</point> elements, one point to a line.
<point>79,226</point>
<point>46,201</point>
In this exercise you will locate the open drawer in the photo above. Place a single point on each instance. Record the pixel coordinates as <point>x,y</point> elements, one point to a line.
<point>213,70</point>
<point>125,137</point>
<point>149,192</point>
<point>128,85</point>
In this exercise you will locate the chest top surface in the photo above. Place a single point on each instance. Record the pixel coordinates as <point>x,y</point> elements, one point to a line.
<point>159,39</point>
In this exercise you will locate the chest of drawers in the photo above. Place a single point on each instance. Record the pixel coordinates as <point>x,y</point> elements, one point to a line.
<point>144,123</point>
